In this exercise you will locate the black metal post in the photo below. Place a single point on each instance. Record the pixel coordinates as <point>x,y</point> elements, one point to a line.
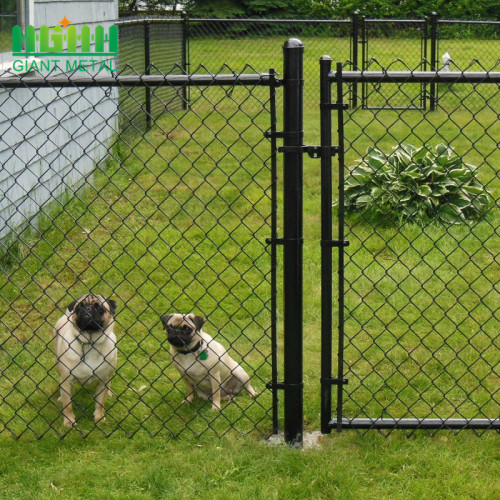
<point>355,55</point>
<point>185,57</point>
<point>425,62</point>
<point>326,248</point>
<point>274,256</point>
<point>147,71</point>
<point>293,83</point>
<point>341,236</point>
<point>433,88</point>
<point>364,62</point>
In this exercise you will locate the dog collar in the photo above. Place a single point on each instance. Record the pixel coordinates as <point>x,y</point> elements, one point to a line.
<point>194,349</point>
<point>90,342</point>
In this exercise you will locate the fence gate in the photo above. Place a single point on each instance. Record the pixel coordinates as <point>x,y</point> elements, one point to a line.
<point>413,43</point>
<point>418,300</point>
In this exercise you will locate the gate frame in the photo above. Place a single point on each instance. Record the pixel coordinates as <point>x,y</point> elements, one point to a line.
<point>424,44</point>
<point>339,77</point>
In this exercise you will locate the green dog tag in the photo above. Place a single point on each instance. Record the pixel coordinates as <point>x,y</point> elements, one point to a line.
<point>203,356</point>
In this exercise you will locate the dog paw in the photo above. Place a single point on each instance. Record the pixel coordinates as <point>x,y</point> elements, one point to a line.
<point>69,423</point>
<point>99,417</point>
<point>215,408</point>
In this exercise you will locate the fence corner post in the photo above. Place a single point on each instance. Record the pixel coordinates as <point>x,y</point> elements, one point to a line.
<point>355,55</point>
<point>434,64</point>
<point>147,71</point>
<point>185,57</point>
<point>293,83</point>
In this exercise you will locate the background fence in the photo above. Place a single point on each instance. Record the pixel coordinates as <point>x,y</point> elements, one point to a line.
<point>151,47</point>
<point>360,43</point>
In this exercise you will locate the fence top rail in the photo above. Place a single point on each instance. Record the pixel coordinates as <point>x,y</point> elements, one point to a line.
<point>269,21</point>
<point>380,21</point>
<point>264,79</point>
<point>463,21</point>
<point>418,76</point>
<point>148,19</point>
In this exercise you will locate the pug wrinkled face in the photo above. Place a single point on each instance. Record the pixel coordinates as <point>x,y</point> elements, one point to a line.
<point>92,313</point>
<point>181,328</point>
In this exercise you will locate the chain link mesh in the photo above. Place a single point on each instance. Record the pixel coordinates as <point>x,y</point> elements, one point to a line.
<point>422,302</point>
<point>169,220</point>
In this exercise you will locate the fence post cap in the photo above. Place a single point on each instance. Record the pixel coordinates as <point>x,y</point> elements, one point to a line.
<point>325,58</point>
<point>293,43</point>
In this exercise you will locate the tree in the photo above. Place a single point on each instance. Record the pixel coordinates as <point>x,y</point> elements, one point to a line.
<point>135,6</point>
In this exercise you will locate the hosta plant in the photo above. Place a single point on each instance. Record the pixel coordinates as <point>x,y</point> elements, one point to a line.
<point>415,185</point>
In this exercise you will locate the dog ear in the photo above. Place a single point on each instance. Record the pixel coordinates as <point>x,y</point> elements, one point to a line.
<point>165,319</point>
<point>72,306</point>
<point>198,321</point>
<point>112,305</point>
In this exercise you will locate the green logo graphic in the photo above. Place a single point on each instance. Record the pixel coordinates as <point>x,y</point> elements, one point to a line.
<point>50,41</point>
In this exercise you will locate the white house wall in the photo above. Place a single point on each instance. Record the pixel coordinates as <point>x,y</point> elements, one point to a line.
<point>51,139</point>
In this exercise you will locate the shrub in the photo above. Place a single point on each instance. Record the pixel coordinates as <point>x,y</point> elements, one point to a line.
<point>415,185</point>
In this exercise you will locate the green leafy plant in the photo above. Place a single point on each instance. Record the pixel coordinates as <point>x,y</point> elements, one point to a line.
<point>415,185</point>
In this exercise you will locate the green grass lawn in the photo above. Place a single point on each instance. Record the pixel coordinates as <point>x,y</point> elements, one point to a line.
<point>178,221</point>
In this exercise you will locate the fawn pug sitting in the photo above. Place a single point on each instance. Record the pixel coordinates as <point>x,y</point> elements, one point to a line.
<point>204,364</point>
<point>85,347</point>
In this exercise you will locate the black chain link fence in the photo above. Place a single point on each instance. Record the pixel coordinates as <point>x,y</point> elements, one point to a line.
<point>157,189</point>
<point>172,220</point>
<point>422,302</point>
<point>360,43</point>
<point>152,46</point>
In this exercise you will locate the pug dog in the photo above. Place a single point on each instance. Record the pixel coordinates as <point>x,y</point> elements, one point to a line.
<point>85,347</point>
<point>204,364</point>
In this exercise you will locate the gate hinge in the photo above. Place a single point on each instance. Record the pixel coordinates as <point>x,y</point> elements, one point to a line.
<point>284,241</point>
<point>312,151</point>
<point>335,243</point>
<point>281,134</point>
<point>334,105</point>
<point>284,385</point>
<point>334,381</point>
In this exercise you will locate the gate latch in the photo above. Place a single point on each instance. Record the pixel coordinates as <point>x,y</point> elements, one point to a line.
<point>312,151</point>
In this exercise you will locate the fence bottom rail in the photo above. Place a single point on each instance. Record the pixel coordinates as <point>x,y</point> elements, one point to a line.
<point>417,423</point>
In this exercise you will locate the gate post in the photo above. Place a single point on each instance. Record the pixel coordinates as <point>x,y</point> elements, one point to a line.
<point>293,83</point>
<point>326,248</point>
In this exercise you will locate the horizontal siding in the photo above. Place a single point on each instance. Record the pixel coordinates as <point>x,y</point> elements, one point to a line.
<point>48,178</point>
<point>81,12</point>
<point>51,139</point>
<point>77,109</point>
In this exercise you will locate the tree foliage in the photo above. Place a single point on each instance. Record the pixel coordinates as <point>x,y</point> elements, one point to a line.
<point>326,9</point>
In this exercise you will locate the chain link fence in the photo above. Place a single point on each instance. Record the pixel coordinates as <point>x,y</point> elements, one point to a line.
<point>422,303</point>
<point>156,188</point>
<point>152,46</point>
<point>360,43</point>
<point>169,220</point>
